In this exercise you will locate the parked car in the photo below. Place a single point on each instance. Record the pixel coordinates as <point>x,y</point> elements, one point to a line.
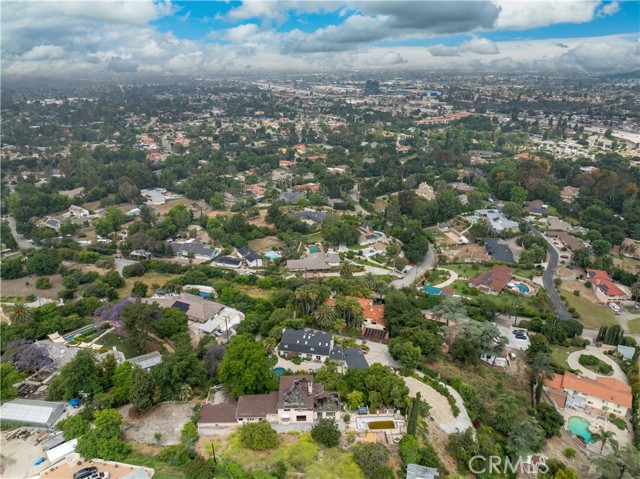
<point>84,473</point>
<point>518,331</point>
<point>99,475</point>
<point>521,336</point>
<point>565,256</point>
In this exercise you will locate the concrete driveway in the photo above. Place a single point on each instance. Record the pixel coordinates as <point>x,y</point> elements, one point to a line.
<point>512,341</point>
<point>573,361</point>
<point>379,353</point>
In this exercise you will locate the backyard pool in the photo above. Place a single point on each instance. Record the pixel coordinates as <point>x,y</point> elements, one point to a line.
<point>279,371</point>
<point>473,219</point>
<point>521,288</point>
<point>375,423</point>
<point>271,255</point>
<point>78,332</point>
<point>314,249</point>
<point>580,427</point>
<point>379,234</point>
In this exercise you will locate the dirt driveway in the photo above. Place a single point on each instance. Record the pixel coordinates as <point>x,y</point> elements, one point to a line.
<point>167,419</point>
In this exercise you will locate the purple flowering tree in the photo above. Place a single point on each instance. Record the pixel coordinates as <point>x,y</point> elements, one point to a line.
<point>28,356</point>
<point>111,313</point>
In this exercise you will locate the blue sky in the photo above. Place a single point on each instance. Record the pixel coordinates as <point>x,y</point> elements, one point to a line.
<point>58,38</point>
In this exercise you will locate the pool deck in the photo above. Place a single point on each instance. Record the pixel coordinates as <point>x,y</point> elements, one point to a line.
<point>595,423</point>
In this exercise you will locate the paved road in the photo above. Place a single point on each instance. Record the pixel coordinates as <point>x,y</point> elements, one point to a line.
<point>355,196</point>
<point>417,271</point>
<point>21,240</point>
<point>166,145</point>
<point>547,279</point>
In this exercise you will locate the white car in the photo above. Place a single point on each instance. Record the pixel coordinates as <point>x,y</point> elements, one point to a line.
<point>615,308</point>
<point>99,475</point>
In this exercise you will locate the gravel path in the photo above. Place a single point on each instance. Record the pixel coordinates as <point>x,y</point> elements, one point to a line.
<point>440,408</point>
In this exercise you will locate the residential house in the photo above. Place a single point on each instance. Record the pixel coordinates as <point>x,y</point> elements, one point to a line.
<point>606,290</point>
<point>351,358</point>
<point>630,248</point>
<point>312,187</point>
<point>314,262</point>
<point>195,307</point>
<point>367,236</point>
<point>373,323</point>
<point>291,196</point>
<point>602,395</point>
<point>228,262</point>
<point>253,259</point>
<point>78,212</point>
<point>566,239</point>
<point>147,361</point>
<point>498,251</point>
<point>556,224</point>
<point>493,281</point>
<point>426,191</point>
<point>50,222</point>
<point>256,191</point>
<point>569,193</point>
<point>155,196</point>
<point>194,249</point>
<point>298,401</point>
<point>497,220</point>
<point>310,217</point>
<point>316,345</point>
<point>535,207</point>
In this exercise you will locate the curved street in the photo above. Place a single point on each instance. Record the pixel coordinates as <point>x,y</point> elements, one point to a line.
<point>547,279</point>
<point>417,271</point>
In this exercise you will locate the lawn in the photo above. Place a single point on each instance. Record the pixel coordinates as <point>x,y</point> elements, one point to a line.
<point>312,238</point>
<point>559,355</point>
<point>634,325</point>
<point>436,276</point>
<point>592,315</point>
<point>299,452</point>
<point>466,270</point>
<point>150,278</point>
<point>125,347</point>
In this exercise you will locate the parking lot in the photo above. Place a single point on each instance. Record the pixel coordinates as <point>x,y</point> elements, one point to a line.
<point>513,342</point>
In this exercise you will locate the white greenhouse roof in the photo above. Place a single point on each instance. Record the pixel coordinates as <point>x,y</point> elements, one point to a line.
<point>31,412</point>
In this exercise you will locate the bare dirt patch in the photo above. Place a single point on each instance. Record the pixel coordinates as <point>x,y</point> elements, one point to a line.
<point>555,449</point>
<point>262,245</point>
<point>470,252</point>
<point>167,419</point>
<point>27,285</point>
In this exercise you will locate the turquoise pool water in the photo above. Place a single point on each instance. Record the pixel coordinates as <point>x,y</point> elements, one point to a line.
<point>523,288</point>
<point>279,371</point>
<point>78,332</point>
<point>378,234</point>
<point>473,219</point>
<point>271,255</point>
<point>314,249</point>
<point>580,427</point>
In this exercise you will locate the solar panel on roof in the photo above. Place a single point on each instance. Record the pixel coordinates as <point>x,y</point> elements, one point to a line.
<point>184,307</point>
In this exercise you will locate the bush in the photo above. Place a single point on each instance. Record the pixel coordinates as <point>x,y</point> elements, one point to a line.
<point>326,432</point>
<point>43,282</point>
<point>258,436</point>
<point>576,292</point>
<point>588,284</point>
<point>177,455</point>
<point>570,453</point>
<point>595,364</point>
<point>619,422</point>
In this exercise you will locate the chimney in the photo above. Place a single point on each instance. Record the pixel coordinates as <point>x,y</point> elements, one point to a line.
<point>310,387</point>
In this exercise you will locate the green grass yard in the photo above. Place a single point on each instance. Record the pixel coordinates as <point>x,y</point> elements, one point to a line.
<point>634,325</point>
<point>125,347</point>
<point>559,355</point>
<point>592,315</point>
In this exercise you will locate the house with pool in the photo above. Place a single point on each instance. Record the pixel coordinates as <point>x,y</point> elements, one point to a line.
<point>493,281</point>
<point>600,396</point>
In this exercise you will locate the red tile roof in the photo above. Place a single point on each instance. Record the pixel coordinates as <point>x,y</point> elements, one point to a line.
<point>496,279</point>
<point>608,389</point>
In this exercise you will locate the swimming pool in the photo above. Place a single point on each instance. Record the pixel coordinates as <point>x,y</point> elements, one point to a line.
<point>523,288</point>
<point>378,422</point>
<point>314,249</point>
<point>272,255</point>
<point>580,427</point>
<point>279,371</point>
<point>379,234</point>
<point>474,219</point>
<point>78,332</point>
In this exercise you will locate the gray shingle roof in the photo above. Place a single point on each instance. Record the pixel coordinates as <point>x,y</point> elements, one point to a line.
<point>306,342</point>
<point>498,251</point>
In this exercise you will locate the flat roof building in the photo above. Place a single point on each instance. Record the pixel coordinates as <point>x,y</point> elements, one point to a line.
<point>43,414</point>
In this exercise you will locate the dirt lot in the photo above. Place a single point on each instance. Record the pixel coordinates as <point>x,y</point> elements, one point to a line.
<point>555,449</point>
<point>19,457</point>
<point>167,419</point>
<point>195,206</point>
<point>469,252</point>
<point>26,286</point>
<point>262,245</point>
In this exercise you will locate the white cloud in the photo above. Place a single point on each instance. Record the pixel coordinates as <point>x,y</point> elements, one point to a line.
<point>609,9</point>
<point>522,15</point>
<point>480,46</point>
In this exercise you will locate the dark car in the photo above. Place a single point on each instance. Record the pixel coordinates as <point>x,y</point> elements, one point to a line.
<point>518,331</point>
<point>520,336</point>
<point>86,472</point>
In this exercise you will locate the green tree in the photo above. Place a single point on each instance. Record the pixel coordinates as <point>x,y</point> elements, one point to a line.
<point>105,440</point>
<point>199,468</point>
<point>325,316</point>
<point>9,376</point>
<point>635,290</point>
<point>44,262</point>
<point>325,432</point>
<point>409,450</point>
<point>601,247</point>
<point>346,270</point>
<point>526,437</point>
<point>538,345</point>
<point>20,314</point>
<point>189,434</point>
<point>582,257</point>
<point>355,399</point>
<point>549,419</point>
<point>518,195</point>
<point>113,279</point>
<point>605,437</point>
<point>138,318</point>
<point>246,368</point>
<point>451,308</point>
<point>143,391</point>
<point>139,289</point>
<point>504,412</point>
<point>407,353</point>
<point>75,426</point>
<point>79,374</point>
<point>623,463</point>
<point>258,436</point>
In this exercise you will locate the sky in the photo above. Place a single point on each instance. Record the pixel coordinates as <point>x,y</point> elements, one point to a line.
<point>57,39</point>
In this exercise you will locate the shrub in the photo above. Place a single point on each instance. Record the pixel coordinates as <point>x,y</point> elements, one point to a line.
<point>326,432</point>
<point>43,282</point>
<point>576,292</point>
<point>570,453</point>
<point>258,436</point>
<point>588,284</point>
<point>619,422</point>
<point>177,455</point>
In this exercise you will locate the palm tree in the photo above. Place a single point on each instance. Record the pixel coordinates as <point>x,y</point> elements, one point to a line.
<point>346,270</point>
<point>21,314</point>
<point>325,316</point>
<point>349,310</point>
<point>381,288</point>
<point>604,437</point>
<point>369,281</point>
